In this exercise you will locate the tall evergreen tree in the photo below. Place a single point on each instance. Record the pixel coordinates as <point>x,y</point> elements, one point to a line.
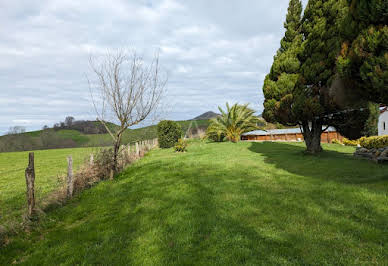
<point>320,48</point>
<point>364,55</point>
<point>280,82</point>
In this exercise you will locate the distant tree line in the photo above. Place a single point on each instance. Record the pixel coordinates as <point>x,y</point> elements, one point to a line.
<point>86,127</point>
<point>17,139</point>
<point>16,130</point>
<point>47,139</point>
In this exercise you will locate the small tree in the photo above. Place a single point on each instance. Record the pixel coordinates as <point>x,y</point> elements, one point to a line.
<point>69,121</point>
<point>169,132</point>
<point>233,122</point>
<point>126,89</point>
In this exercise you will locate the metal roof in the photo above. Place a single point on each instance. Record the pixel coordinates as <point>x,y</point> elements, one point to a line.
<point>281,131</point>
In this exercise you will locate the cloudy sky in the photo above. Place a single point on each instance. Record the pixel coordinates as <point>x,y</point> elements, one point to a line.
<point>214,51</point>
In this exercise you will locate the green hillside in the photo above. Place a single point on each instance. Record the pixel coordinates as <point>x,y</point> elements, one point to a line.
<point>221,204</point>
<point>66,138</point>
<point>50,168</point>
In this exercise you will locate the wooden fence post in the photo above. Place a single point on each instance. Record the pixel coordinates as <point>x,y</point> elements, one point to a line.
<point>149,145</point>
<point>129,150</point>
<point>137,150</point>
<point>30,180</point>
<point>70,181</point>
<point>91,161</point>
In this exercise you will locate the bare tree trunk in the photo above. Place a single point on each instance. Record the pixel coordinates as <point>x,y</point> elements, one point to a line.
<point>312,136</point>
<point>116,153</point>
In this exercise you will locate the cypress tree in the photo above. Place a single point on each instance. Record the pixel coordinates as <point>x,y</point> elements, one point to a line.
<point>320,48</point>
<point>364,55</point>
<point>280,82</point>
<point>303,87</point>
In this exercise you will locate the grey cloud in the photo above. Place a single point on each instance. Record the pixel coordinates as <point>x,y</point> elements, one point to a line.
<point>214,51</point>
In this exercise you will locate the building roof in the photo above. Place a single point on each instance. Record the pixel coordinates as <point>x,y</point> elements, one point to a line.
<point>281,131</point>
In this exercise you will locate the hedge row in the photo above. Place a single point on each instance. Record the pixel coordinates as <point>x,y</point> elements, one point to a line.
<point>348,142</point>
<point>374,142</point>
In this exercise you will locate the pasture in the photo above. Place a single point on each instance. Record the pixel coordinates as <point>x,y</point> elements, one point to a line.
<point>50,167</point>
<point>221,204</point>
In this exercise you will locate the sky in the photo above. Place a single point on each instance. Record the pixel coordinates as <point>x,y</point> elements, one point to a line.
<point>213,51</point>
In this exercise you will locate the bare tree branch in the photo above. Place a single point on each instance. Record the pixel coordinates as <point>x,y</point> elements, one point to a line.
<point>127,88</point>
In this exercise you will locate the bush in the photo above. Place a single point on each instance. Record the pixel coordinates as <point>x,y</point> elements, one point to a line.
<point>169,132</point>
<point>181,146</point>
<point>348,142</point>
<point>336,141</point>
<point>374,142</point>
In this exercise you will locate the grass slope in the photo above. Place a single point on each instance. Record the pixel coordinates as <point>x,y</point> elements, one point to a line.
<point>222,204</point>
<point>49,165</point>
<point>88,140</point>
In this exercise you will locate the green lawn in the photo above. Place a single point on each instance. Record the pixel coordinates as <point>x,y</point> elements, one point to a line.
<point>49,166</point>
<point>222,204</point>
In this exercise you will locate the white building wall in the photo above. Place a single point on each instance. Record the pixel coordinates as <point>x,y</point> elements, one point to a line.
<point>383,124</point>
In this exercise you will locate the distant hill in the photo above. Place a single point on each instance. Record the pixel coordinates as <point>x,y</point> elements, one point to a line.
<point>63,137</point>
<point>206,116</point>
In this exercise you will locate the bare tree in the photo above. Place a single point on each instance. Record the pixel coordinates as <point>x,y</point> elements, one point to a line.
<point>16,130</point>
<point>127,89</point>
<point>69,120</point>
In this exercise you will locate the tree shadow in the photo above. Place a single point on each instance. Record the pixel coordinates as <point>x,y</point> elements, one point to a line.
<point>184,215</point>
<point>330,165</point>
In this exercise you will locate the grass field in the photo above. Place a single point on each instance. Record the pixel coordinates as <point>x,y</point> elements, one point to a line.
<point>49,165</point>
<point>222,204</point>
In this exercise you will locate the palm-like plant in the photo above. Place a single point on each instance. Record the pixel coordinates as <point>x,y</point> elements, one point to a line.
<point>233,122</point>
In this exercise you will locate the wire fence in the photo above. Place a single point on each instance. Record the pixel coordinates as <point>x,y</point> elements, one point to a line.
<point>36,189</point>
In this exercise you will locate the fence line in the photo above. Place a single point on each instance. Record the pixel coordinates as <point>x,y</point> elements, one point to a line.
<point>127,155</point>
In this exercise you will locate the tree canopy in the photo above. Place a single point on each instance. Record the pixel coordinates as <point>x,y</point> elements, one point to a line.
<point>280,82</point>
<point>304,86</point>
<point>364,55</point>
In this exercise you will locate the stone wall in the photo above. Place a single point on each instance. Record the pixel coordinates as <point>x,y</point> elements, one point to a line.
<point>378,155</point>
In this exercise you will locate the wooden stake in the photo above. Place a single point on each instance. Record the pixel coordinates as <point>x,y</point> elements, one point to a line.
<point>30,180</point>
<point>91,162</point>
<point>137,150</point>
<point>70,181</point>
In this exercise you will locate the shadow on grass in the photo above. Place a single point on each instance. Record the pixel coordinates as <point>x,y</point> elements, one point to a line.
<point>169,213</point>
<point>330,165</point>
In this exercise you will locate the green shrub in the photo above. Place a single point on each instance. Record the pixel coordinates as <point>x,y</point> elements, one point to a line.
<point>336,141</point>
<point>169,132</point>
<point>181,146</point>
<point>374,142</point>
<point>349,142</point>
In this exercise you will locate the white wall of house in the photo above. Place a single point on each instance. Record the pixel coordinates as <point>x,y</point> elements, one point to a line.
<point>383,124</point>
